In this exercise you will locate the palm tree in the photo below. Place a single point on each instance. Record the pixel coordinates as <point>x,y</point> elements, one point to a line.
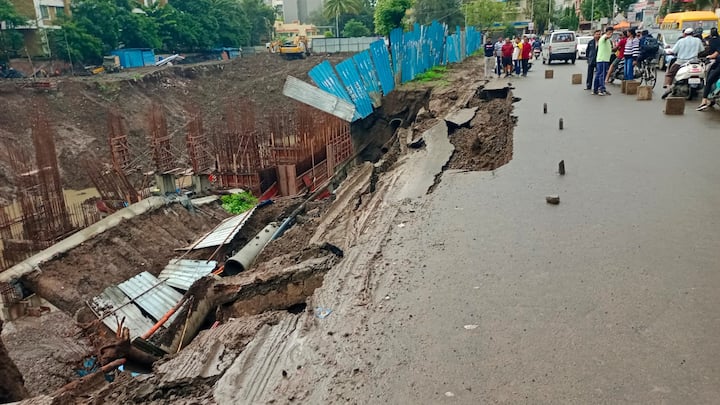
<point>337,7</point>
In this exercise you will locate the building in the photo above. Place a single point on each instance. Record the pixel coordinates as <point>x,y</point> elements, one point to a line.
<point>40,15</point>
<point>294,29</point>
<point>300,10</point>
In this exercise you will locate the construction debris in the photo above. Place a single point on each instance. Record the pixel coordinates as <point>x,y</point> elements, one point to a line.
<point>461,117</point>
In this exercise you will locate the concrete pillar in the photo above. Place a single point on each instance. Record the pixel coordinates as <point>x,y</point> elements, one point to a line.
<point>200,183</point>
<point>166,183</point>
<point>675,106</point>
<point>644,93</point>
<point>631,87</point>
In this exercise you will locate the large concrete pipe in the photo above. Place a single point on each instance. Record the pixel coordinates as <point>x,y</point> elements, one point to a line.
<point>245,257</point>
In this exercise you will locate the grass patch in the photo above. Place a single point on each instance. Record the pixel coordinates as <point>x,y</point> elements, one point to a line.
<point>437,73</point>
<point>238,203</point>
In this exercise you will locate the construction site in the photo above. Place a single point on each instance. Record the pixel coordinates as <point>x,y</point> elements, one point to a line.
<point>124,278</point>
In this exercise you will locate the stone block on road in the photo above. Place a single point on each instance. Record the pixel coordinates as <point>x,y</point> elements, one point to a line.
<point>631,87</point>
<point>644,93</point>
<point>675,105</point>
<point>553,199</point>
<point>623,86</point>
<point>577,78</point>
<point>549,73</point>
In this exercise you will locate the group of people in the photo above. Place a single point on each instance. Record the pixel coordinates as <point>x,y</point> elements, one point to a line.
<point>692,46</point>
<point>604,57</point>
<point>511,55</point>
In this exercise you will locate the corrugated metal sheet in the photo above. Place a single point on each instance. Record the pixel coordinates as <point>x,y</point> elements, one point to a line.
<point>152,295</point>
<point>381,61</point>
<point>356,89</point>
<point>224,232</point>
<point>182,273</point>
<point>369,76</point>
<point>324,77</point>
<point>112,300</point>
<point>397,47</point>
<point>322,100</point>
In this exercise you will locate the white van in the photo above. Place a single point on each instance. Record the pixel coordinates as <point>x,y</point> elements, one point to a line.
<point>560,45</point>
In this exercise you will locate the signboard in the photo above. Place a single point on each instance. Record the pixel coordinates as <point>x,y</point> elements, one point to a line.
<point>531,26</point>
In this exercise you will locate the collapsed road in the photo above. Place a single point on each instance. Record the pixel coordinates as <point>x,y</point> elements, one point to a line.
<point>331,251</point>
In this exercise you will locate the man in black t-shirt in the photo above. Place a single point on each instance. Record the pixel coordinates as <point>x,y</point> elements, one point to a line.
<point>489,49</point>
<point>713,53</point>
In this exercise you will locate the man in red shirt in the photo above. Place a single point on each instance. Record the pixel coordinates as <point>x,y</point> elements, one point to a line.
<point>525,56</point>
<point>507,51</point>
<point>620,55</point>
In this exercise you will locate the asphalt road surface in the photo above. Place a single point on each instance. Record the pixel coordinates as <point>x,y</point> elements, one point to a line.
<point>612,296</point>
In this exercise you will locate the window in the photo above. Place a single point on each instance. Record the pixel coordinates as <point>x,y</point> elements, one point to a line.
<point>59,12</point>
<point>45,12</point>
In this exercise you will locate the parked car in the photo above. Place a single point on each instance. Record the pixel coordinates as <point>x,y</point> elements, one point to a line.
<point>667,40</point>
<point>582,46</point>
<point>560,45</point>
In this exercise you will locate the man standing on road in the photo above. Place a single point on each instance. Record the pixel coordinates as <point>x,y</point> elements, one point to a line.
<point>498,56</point>
<point>489,57</point>
<point>525,53</point>
<point>602,61</point>
<point>686,48</point>
<point>507,53</point>
<point>590,54</point>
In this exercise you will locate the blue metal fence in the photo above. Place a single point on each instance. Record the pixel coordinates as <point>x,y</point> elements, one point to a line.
<point>364,76</point>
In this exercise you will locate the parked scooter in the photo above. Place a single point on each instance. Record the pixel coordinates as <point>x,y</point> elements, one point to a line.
<point>689,80</point>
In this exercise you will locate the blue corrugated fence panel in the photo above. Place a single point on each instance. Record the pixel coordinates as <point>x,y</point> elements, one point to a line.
<point>381,61</point>
<point>355,87</point>
<point>369,76</point>
<point>148,57</point>
<point>325,78</point>
<point>398,51</point>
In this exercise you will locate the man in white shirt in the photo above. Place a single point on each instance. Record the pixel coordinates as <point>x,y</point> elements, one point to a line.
<point>686,48</point>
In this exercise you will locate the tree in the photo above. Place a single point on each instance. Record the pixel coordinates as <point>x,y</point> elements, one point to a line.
<point>333,8</point>
<point>365,16</point>
<point>444,11</point>
<point>541,15</point>
<point>389,14</point>
<point>262,18</point>
<point>354,28</point>
<point>10,40</point>
<point>484,13</point>
<point>75,44</point>
<point>569,19</point>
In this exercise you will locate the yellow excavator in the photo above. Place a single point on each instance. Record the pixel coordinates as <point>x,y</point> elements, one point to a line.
<point>291,48</point>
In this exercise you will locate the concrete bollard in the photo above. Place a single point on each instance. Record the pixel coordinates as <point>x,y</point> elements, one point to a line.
<point>644,93</point>
<point>548,73</point>
<point>631,87</point>
<point>577,78</point>
<point>675,105</point>
<point>623,87</point>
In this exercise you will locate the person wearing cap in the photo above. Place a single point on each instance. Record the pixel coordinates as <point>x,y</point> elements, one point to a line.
<point>686,48</point>
<point>713,75</point>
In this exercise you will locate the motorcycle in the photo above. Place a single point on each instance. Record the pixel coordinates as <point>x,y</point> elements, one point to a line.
<point>536,53</point>
<point>689,80</point>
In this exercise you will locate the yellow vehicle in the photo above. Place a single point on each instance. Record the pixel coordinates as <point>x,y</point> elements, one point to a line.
<point>690,19</point>
<point>295,47</point>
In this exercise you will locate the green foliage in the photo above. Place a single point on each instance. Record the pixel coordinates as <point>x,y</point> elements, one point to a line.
<point>510,31</point>
<point>389,14</point>
<point>329,34</point>
<point>11,41</point>
<point>444,11</point>
<point>603,8</point>
<point>540,15</point>
<point>99,26</point>
<point>333,8</point>
<point>484,13</point>
<point>238,203</point>
<point>355,28</point>
<point>569,19</point>
<point>437,73</point>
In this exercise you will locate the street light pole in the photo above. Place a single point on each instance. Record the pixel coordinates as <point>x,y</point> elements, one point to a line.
<point>592,14</point>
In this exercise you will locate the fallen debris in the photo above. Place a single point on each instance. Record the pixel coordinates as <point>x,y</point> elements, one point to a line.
<point>561,167</point>
<point>461,117</point>
<point>553,199</point>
